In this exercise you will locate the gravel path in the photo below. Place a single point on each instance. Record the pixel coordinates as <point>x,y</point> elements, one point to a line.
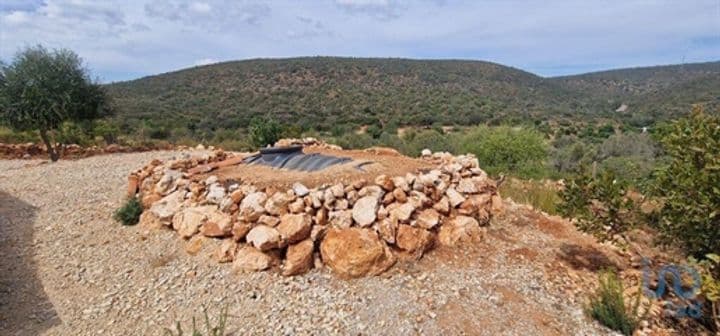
<point>68,269</point>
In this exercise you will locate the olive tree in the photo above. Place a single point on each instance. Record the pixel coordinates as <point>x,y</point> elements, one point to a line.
<point>40,89</point>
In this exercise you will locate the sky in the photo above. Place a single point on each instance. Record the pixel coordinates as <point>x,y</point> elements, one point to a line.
<point>128,39</point>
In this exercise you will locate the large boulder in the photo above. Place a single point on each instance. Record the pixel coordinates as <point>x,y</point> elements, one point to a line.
<point>467,186</point>
<point>341,219</point>
<point>216,193</point>
<point>299,258</point>
<point>249,258</point>
<point>187,221</point>
<point>385,182</point>
<point>454,197</point>
<point>217,224</point>
<point>263,237</point>
<point>165,208</point>
<point>226,251</point>
<point>414,240</point>
<point>252,206</point>
<point>403,211</point>
<point>355,252</point>
<point>294,227</point>
<point>428,218</point>
<point>167,182</point>
<point>387,228</point>
<point>460,229</point>
<point>364,211</point>
<point>277,204</point>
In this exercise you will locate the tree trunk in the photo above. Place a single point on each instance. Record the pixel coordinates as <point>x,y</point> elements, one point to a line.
<point>50,149</point>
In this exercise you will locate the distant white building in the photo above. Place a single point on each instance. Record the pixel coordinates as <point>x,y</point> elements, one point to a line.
<point>622,108</point>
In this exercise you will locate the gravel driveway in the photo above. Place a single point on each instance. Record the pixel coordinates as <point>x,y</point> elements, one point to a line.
<point>66,268</point>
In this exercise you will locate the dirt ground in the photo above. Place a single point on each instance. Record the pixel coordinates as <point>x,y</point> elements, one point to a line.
<point>69,269</point>
<point>365,164</point>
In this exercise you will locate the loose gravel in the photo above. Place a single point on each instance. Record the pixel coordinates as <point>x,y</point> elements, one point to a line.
<point>66,268</point>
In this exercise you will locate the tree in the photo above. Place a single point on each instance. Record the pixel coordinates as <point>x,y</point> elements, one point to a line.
<point>41,89</point>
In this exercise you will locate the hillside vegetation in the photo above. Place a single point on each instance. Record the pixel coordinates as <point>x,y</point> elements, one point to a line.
<point>651,93</point>
<point>322,92</point>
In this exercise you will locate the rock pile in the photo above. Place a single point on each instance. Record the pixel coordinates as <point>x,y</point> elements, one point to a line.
<point>355,229</point>
<point>309,141</point>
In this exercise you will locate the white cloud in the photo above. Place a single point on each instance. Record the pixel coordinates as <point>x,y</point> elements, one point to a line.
<point>205,61</point>
<point>364,3</point>
<point>210,16</point>
<point>122,39</point>
<point>200,7</point>
<point>16,18</point>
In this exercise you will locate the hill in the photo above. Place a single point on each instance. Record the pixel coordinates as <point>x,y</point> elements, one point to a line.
<point>651,93</point>
<point>322,92</point>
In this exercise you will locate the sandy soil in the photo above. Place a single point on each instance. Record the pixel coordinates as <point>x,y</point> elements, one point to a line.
<point>68,269</point>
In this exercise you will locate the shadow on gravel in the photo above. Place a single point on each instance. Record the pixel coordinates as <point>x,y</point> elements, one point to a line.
<point>24,306</point>
<point>587,258</point>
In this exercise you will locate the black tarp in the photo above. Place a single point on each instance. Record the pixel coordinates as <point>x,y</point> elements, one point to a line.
<point>293,158</point>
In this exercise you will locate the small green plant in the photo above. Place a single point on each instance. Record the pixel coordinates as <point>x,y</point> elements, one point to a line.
<point>608,307</point>
<point>129,213</point>
<point>210,330</point>
<point>599,204</point>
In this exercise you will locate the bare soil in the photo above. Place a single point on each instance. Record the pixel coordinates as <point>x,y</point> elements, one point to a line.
<point>68,269</point>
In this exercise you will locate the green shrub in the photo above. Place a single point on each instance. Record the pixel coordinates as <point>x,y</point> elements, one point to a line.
<point>569,153</point>
<point>599,204</point>
<point>690,184</point>
<point>507,150</point>
<point>355,141</point>
<point>608,307</point>
<point>9,136</point>
<point>415,142</point>
<point>264,131</point>
<point>631,156</point>
<point>374,131</point>
<point>129,213</point>
<point>75,133</point>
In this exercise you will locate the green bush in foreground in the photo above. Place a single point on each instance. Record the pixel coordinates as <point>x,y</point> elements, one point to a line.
<point>129,213</point>
<point>690,184</point>
<point>607,306</point>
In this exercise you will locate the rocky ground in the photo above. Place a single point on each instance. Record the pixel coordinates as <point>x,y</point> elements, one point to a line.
<point>68,269</point>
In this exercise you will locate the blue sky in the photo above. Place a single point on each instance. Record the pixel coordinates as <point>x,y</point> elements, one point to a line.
<point>122,40</point>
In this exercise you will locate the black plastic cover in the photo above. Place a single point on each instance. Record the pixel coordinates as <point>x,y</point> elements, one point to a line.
<point>293,158</point>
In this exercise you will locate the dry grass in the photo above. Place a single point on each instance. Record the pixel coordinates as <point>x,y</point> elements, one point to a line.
<point>542,195</point>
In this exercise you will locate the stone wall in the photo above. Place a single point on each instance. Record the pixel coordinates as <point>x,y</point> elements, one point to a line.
<point>356,229</point>
<point>34,151</point>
